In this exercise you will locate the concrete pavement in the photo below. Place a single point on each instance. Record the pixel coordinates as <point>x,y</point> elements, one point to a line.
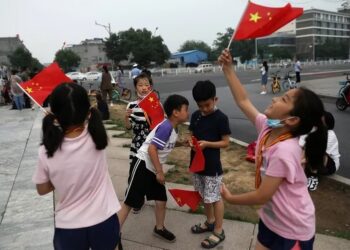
<point>26,219</point>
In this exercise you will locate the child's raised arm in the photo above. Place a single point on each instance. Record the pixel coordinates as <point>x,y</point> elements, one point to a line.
<point>238,91</point>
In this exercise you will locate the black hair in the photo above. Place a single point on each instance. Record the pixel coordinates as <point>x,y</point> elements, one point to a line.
<point>309,108</point>
<point>329,120</point>
<point>141,76</point>
<point>203,91</point>
<point>265,66</point>
<point>99,97</point>
<point>174,102</point>
<point>70,106</point>
<point>105,69</point>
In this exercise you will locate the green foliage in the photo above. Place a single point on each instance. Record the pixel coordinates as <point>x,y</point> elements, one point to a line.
<point>20,58</point>
<point>244,49</point>
<point>197,45</point>
<point>67,59</point>
<point>136,45</point>
<point>332,49</point>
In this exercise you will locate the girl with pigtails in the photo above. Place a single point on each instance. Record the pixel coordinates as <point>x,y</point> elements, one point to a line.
<point>287,213</point>
<point>73,163</point>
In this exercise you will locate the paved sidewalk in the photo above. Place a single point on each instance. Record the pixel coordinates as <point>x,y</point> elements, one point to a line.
<point>26,219</point>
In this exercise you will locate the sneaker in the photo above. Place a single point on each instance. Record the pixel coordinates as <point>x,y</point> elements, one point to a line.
<point>164,234</point>
<point>312,183</point>
<point>136,210</point>
<point>263,93</point>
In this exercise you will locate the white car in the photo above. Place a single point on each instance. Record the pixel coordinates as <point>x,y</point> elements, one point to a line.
<point>76,76</point>
<point>93,76</point>
<point>204,68</point>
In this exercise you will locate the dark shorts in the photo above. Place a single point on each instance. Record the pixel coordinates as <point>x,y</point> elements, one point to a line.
<point>273,241</point>
<point>102,236</point>
<point>142,182</point>
<point>264,79</point>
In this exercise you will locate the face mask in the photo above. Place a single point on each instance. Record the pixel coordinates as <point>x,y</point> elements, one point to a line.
<point>276,123</point>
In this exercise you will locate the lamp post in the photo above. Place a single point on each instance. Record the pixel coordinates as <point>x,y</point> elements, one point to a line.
<point>155,30</point>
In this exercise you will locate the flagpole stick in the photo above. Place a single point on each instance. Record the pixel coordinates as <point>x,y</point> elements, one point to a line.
<point>234,32</point>
<point>25,92</point>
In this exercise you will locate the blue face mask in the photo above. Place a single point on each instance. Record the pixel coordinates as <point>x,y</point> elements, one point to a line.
<point>276,123</point>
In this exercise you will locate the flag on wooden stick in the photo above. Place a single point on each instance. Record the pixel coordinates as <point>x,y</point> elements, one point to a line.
<point>42,84</point>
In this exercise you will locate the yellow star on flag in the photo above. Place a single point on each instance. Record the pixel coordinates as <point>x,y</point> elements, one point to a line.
<point>151,99</point>
<point>269,15</point>
<point>29,90</point>
<point>254,17</point>
<point>178,200</point>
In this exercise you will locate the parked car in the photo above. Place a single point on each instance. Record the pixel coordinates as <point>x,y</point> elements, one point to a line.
<point>204,68</point>
<point>93,76</point>
<point>76,76</point>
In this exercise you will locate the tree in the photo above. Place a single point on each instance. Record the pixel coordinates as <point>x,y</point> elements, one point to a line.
<point>244,49</point>
<point>197,45</point>
<point>21,58</point>
<point>141,44</point>
<point>67,59</point>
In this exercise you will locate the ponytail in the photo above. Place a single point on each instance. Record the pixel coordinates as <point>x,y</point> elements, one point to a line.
<point>315,147</point>
<point>97,130</point>
<point>309,108</point>
<point>53,134</point>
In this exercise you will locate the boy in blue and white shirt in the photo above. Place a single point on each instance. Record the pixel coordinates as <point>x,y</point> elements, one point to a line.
<point>147,176</point>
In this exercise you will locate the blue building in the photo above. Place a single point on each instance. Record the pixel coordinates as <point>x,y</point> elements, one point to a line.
<point>190,58</point>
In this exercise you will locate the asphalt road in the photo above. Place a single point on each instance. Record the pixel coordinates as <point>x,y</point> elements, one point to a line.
<point>241,128</point>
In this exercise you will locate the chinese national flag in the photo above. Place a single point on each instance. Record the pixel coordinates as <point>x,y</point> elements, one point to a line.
<point>42,84</point>
<point>186,197</point>
<point>258,20</point>
<point>154,110</point>
<point>198,161</point>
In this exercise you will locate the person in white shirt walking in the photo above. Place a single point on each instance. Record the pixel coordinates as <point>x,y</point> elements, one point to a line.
<point>264,76</point>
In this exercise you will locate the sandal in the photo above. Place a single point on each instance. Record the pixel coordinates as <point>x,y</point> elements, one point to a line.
<point>197,229</point>
<point>211,242</point>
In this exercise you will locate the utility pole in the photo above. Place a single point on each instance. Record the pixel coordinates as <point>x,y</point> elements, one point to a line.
<point>106,27</point>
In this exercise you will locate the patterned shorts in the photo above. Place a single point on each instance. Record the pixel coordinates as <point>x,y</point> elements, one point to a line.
<point>208,187</point>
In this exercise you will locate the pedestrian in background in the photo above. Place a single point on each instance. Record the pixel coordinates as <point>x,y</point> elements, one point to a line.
<point>16,91</point>
<point>297,69</point>
<point>264,76</point>
<point>106,84</point>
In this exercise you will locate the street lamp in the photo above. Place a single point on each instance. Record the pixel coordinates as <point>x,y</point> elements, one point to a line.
<point>155,30</point>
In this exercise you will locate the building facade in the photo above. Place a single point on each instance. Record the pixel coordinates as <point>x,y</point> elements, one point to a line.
<point>91,53</point>
<point>315,26</point>
<point>7,46</point>
<point>189,58</point>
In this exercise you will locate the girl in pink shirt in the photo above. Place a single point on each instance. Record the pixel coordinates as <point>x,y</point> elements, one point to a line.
<point>287,215</point>
<point>72,162</point>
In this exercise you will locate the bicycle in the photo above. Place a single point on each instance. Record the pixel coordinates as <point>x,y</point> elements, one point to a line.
<point>275,85</point>
<point>343,100</point>
<point>288,83</point>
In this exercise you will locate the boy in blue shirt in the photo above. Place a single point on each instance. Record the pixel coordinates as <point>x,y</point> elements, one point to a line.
<point>211,128</point>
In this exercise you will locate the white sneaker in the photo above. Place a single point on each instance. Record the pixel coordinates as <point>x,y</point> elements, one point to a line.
<point>263,93</point>
<point>312,183</point>
<point>112,104</point>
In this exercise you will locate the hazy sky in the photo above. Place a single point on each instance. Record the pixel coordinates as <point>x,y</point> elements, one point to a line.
<point>44,25</point>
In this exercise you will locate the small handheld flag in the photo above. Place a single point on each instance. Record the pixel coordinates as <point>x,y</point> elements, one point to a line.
<point>186,197</point>
<point>153,108</point>
<point>198,161</point>
<point>259,20</point>
<point>41,85</point>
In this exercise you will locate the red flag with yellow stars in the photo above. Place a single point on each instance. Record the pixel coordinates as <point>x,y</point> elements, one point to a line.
<point>186,197</point>
<point>258,20</point>
<point>198,161</point>
<point>42,84</point>
<point>153,108</point>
